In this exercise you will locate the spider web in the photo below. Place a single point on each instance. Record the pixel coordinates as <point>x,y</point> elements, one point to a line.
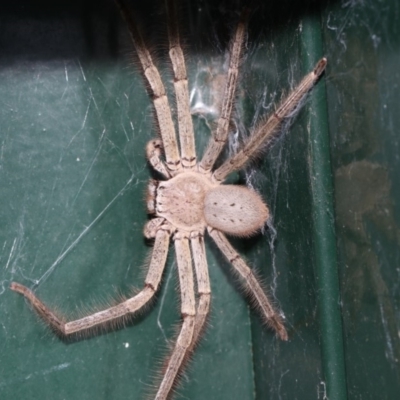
<point>73,172</point>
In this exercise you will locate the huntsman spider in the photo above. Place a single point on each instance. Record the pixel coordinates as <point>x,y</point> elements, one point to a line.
<point>192,199</point>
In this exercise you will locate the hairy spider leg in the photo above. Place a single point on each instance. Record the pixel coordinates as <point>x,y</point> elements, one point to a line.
<point>251,284</point>
<point>188,312</point>
<point>203,283</point>
<point>266,130</point>
<point>157,89</point>
<point>127,307</point>
<point>220,136</point>
<point>194,317</point>
<point>185,123</point>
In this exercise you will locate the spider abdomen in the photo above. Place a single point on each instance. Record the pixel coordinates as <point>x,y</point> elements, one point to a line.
<point>235,210</point>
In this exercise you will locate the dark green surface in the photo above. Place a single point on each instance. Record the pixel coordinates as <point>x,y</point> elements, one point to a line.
<point>362,40</point>
<point>75,118</point>
<point>323,226</point>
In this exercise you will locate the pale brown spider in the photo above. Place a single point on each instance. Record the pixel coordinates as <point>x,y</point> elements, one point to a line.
<point>193,199</point>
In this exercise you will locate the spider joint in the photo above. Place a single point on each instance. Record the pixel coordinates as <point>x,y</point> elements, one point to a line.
<point>153,226</point>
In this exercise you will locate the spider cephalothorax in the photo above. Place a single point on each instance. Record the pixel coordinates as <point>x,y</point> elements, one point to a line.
<point>192,199</point>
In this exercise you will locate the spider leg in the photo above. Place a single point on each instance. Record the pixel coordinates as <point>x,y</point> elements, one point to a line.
<point>252,285</point>
<point>153,152</point>
<point>185,338</point>
<point>129,306</point>
<point>160,100</point>
<point>185,124</point>
<point>266,130</point>
<point>203,283</point>
<point>219,138</point>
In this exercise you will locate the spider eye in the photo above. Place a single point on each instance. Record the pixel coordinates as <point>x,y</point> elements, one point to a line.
<point>235,210</point>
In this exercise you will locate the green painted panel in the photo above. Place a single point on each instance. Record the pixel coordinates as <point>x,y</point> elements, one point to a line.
<point>362,39</point>
<point>75,121</point>
<point>75,118</point>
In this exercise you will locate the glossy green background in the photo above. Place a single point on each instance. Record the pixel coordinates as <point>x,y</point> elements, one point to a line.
<point>75,118</point>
